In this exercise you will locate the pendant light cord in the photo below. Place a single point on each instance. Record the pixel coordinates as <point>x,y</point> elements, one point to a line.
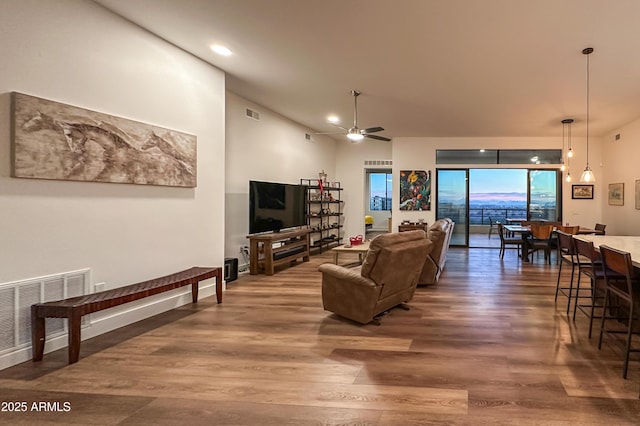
<point>588,110</point>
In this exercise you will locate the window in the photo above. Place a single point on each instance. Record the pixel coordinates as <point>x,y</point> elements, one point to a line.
<point>380,184</point>
<point>502,156</point>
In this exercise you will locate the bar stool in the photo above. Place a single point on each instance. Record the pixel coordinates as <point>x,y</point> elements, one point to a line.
<point>567,254</point>
<point>619,262</point>
<point>594,270</point>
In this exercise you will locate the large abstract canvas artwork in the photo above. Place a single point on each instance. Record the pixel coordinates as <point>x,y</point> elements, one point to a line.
<point>52,140</point>
<point>415,190</point>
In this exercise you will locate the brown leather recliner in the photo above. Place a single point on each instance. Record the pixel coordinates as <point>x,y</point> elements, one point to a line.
<point>439,233</point>
<point>388,277</point>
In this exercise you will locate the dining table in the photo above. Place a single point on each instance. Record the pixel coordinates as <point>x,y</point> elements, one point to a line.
<point>628,243</point>
<point>584,230</point>
<point>525,231</point>
<point>515,220</point>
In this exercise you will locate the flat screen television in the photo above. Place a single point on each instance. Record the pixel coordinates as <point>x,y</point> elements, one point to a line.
<point>275,206</point>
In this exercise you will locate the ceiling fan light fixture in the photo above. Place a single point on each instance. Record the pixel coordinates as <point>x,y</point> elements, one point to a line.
<point>354,133</point>
<point>355,137</point>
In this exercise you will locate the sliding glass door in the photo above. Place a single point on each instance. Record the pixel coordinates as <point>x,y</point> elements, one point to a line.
<point>452,201</point>
<point>477,198</point>
<point>544,195</point>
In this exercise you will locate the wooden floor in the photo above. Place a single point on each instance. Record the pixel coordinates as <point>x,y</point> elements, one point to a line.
<point>487,346</point>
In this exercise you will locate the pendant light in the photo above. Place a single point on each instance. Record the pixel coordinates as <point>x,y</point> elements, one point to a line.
<point>569,150</point>
<point>566,124</point>
<point>587,174</point>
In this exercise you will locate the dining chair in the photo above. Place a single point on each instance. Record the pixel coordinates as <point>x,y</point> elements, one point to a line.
<point>571,230</point>
<point>600,228</point>
<point>591,266</point>
<point>568,255</point>
<point>619,262</point>
<point>506,240</point>
<point>540,240</point>
<point>492,225</point>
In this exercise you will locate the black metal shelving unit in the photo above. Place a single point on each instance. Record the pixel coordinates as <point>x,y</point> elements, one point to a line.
<point>324,214</point>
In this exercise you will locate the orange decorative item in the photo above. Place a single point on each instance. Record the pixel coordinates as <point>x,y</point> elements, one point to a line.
<point>356,241</point>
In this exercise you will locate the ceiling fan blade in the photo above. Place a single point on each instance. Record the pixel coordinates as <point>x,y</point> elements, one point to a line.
<point>331,133</point>
<point>373,129</point>
<point>380,138</point>
<point>338,126</point>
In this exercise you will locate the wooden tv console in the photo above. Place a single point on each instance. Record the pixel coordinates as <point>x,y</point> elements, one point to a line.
<point>264,257</point>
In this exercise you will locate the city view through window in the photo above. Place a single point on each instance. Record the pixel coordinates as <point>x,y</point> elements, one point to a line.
<point>380,191</point>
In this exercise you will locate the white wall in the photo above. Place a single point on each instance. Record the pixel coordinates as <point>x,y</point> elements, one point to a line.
<point>419,153</point>
<point>78,53</point>
<point>273,149</point>
<point>351,172</point>
<point>620,164</point>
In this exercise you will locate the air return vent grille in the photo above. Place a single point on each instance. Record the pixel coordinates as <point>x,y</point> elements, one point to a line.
<point>378,163</point>
<point>255,115</point>
<point>17,297</point>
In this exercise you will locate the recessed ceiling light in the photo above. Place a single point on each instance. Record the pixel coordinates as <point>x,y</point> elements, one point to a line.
<point>333,119</point>
<point>221,50</point>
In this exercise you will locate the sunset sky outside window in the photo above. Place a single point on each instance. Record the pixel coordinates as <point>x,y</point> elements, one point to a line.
<point>498,184</point>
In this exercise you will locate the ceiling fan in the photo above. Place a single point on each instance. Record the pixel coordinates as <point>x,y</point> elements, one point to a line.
<point>356,134</point>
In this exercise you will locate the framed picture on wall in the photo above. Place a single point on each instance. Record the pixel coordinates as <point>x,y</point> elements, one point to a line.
<point>415,190</point>
<point>582,192</point>
<point>638,195</point>
<point>616,194</point>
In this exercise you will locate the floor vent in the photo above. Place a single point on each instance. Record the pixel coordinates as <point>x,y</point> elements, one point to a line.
<point>378,162</point>
<point>255,115</point>
<point>17,297</point>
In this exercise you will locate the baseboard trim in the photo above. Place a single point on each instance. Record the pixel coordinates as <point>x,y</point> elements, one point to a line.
<point>115,318</point>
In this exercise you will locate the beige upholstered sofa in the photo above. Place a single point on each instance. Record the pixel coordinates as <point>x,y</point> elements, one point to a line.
<point>439,233</point>
<point>388,277</point>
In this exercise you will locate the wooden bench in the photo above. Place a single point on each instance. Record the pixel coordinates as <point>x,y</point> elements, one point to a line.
<point>74,308</point>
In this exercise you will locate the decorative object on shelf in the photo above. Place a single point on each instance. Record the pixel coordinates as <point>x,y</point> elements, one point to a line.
<point>356,241</point>
<point>587,174</point>
<point>637,194</point>
<point>322,178</point>
<point>616,194</point>
<point>582,192</point>
<point>415,190</point>
<point>566,123</point>
<point>52,140</point>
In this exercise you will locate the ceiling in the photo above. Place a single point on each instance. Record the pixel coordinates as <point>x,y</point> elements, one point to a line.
<point>442,68</point>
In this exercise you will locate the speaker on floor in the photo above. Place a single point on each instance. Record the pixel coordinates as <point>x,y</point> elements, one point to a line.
<point>230,269</point>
